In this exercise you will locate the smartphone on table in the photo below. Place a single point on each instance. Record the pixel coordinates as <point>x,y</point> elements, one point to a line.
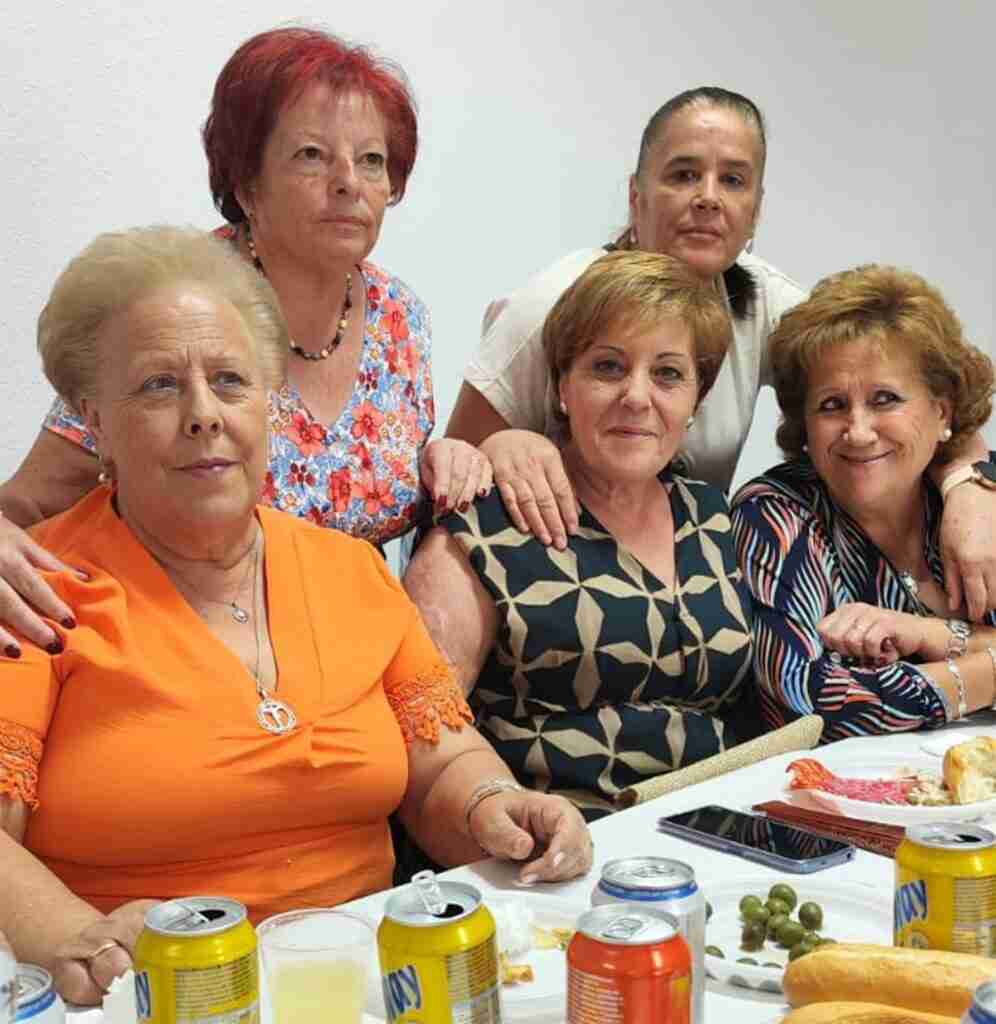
<point>757,838</point>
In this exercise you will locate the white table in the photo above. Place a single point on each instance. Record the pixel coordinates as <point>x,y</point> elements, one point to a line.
<point>633,832</point>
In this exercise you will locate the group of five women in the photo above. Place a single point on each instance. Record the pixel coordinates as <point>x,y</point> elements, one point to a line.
<point>262,677</point>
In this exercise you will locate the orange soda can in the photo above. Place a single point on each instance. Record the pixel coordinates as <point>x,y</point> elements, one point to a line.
<point>628,965</point>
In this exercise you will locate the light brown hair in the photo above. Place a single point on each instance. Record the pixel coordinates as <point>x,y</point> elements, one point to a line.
<point>118,268</point>
<point>892,307</point>
<point>622,290</point>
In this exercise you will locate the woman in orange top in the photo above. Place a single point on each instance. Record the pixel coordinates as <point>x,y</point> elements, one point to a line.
<point>232,709</point>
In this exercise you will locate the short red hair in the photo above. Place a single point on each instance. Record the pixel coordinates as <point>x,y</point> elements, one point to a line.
<point>270,71</point>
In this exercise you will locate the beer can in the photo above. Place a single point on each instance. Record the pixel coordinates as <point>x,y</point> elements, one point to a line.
<point>983,1008</point>
<point>667,885</point>
<point>195,963</point>
<point>37,1000</point>
<point>628,965</point>
<point>945,894</point>
<point>439,962</point>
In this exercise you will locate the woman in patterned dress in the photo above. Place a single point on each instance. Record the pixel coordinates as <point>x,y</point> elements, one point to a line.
<point>627,654</point>
<point>841,546</point>
<point>308,141</point>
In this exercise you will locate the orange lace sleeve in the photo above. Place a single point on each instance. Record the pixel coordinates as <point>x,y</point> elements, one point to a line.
<point>20,755</point>
<point>427,700</point>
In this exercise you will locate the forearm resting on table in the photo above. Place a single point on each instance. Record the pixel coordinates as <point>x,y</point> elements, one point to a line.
<point>439,788</point>
<point>37,912</point>
<point>979,674</point>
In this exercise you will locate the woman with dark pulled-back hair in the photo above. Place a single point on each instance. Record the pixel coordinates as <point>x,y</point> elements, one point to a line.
<point>308,141</point>
<point>696,195</point>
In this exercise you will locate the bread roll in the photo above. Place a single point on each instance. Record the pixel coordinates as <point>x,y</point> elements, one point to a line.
<point>927,980</point>
<point>970,770</point>
<point>862,1013</point>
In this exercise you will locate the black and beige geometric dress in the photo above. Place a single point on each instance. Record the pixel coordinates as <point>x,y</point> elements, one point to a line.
<point>601,675</point>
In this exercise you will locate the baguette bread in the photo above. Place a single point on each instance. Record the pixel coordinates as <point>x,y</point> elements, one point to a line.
<point>970,770</point>
<point>862,1013</point>
<point>927,980</point>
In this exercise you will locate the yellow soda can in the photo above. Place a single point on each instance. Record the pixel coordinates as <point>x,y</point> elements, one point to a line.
<point>438,956</point>
<point>195,963</point>
<point>945,894</point>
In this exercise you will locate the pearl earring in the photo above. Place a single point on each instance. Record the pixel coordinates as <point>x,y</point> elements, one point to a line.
<point>946,434</point>
<point>563,407</point>
<point>689,421</point>
<point>805,448</point>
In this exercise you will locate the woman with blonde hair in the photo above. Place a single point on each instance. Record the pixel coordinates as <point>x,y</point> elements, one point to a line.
<point>245,697</point>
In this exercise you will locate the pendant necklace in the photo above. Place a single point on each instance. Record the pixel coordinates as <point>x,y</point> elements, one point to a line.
<point>272,714</point>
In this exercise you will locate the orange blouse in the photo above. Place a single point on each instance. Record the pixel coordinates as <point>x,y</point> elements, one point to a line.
<point>138,746</point>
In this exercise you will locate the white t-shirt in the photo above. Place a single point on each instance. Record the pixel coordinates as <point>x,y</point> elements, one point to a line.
<point>510,370</point>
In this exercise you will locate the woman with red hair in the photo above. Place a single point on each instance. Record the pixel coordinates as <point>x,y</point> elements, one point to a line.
<point>308,142</point>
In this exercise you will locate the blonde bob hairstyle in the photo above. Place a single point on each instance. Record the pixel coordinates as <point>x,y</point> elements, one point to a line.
<point>118,268</point>
<point>629,290</point>
<point>899,311</point>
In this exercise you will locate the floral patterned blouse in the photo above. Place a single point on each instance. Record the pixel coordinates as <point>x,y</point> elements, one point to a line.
<point>360,474</point>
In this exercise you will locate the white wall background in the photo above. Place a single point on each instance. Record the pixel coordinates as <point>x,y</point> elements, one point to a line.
<point>880,141</point>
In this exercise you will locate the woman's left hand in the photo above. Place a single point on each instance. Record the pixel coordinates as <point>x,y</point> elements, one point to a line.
<point>454,473</point>
<point>86,965</point>
<point>879,636</point>
<point>516,826</point>
<point>968,549</point>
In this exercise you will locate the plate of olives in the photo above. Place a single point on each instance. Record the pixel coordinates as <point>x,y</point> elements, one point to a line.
<point>759,924</point>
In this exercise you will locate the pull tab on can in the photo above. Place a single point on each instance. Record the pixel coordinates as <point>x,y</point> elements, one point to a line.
<point>429,893</point>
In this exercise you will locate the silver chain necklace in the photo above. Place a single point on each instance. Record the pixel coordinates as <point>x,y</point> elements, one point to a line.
<point>272,714</point>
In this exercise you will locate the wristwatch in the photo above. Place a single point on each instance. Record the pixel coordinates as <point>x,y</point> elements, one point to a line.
<point>981,473</point>
<point>958,642</point>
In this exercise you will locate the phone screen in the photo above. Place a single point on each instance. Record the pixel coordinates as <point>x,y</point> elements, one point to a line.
<point>757,833</point>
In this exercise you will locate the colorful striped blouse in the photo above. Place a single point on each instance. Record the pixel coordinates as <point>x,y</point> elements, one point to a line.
<point>803,557</point>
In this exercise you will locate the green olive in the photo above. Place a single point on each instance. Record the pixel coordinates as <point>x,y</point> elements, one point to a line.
<point>811,916</point>
<point>774,923</point>
<point>715,951</point>
<point>790,933</point>
<point>708,910</point>
<point>749,901</point>
<point>753,913</point>
<point>811,937</point>
<point>747,960</point>
<point>752,936</point>
<point>799,949</point>
<point>777,906</point>
<point>825,942</point>
<point>785,893</point>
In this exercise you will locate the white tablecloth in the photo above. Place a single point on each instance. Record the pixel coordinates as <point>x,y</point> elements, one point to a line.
<point>633,832</point>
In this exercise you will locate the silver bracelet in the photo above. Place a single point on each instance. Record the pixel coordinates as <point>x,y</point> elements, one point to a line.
<point>992,658</point>
<point>959,680</point>
<point>490,787</point>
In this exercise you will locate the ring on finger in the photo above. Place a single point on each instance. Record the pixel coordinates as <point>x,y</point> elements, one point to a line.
<point>103,948</point>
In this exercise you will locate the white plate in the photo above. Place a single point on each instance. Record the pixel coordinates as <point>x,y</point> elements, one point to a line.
<point>851,913</point>
<point>892,814</point>
<point>939,744</point>
<point>547,992</point>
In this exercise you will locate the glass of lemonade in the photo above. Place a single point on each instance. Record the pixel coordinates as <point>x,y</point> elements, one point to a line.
<point>316,963</point>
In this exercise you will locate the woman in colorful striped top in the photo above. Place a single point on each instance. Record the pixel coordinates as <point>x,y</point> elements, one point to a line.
<point>840,546</point>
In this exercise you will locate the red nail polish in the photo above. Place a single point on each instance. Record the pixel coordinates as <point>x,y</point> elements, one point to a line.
<point>12,651</point>
<point>55,647</point>
<point>464,505</point>
<point>483,492</point>
<point>69,622</point>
